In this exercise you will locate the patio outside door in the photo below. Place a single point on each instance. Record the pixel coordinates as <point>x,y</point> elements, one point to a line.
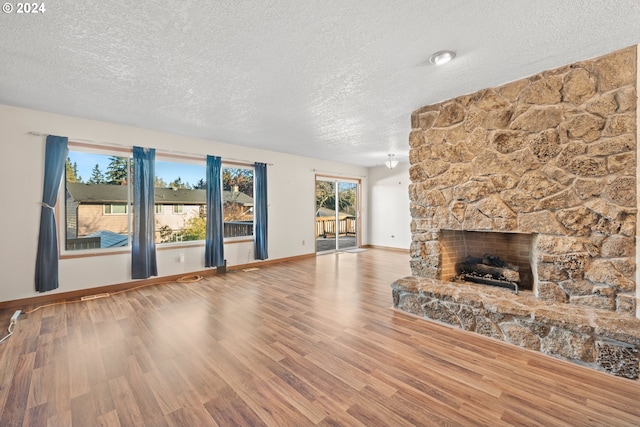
<point>336,214</point>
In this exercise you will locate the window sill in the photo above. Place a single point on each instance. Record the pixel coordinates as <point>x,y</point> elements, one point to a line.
<point>89,253</point>
<point>159,247</point>
<point>238,240</point>
<point>179,245</point>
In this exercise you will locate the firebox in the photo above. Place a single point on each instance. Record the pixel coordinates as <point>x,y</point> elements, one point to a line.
<point>487,257</point>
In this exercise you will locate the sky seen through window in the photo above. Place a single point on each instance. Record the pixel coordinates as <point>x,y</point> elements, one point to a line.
<point>189,173</point>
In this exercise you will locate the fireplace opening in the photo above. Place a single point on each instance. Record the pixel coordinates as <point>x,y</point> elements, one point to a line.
<point>487,257</point>
<point>489,270</point>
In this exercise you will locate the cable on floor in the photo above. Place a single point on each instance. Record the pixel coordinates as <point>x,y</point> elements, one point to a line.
<point>184,279</point>
<point>14,318</point>
<point>10,330</point>
<point>190,279</point>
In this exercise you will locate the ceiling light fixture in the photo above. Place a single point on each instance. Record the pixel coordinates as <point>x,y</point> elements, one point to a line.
<point>391,162</point>
<point>442,57</point>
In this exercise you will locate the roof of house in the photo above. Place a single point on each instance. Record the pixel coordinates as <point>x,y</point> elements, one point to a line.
<point>237,197</point>
<point>109,239</point>
<point>106,193</point>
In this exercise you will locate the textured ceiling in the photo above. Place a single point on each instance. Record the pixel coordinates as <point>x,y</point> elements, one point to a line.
<point>330,79</point>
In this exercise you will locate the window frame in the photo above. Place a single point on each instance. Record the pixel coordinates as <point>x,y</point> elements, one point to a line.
<point>238,165</point>
<point>184,159</point>
<point>111,205</point>
<point>61,205</point>
<point>116,151</point>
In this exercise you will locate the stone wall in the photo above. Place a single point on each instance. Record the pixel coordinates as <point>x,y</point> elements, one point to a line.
<point>553,155</point>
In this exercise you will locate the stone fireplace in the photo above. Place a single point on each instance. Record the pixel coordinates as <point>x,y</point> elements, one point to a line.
<point>541,171</point>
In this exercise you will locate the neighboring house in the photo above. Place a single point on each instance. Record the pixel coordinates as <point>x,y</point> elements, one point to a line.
<point>95,210</point>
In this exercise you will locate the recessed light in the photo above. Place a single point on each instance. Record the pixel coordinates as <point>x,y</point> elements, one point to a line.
<point>442,57</point>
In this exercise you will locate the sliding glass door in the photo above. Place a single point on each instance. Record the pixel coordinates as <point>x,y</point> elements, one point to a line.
<point>337,208</point>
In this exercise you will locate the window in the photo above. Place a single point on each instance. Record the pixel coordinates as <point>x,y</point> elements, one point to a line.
<point>115,209</point>
<point>97,200</point>
<point>237,197</point>
<point>181,187</point>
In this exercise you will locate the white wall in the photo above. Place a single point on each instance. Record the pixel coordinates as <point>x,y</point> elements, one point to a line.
<point>390,219</point>
<point>291,182</point>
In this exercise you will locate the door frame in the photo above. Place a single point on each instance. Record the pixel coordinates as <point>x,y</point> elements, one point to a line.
<point>336,179</point>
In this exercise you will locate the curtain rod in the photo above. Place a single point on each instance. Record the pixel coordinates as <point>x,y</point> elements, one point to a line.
<point>158,150</point>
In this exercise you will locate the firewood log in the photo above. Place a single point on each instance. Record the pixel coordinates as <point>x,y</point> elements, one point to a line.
<point>495,272</point>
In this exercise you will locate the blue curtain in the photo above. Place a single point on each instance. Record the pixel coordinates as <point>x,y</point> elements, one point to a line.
<point>260,212</point>
<point>143,249</point>
<point>214,244</point>
<point>56,153</point>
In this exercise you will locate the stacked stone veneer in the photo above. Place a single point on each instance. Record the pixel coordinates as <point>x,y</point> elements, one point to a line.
<point>553,155</point>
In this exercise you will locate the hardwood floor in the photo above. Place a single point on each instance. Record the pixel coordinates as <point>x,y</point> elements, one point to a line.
<point>306,343</point>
